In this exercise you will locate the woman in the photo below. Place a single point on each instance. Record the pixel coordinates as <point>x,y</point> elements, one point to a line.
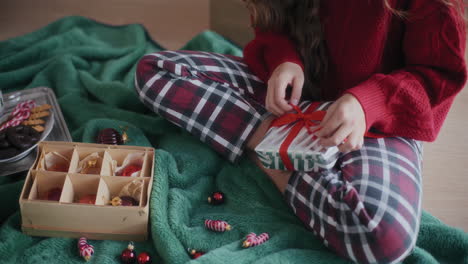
<point>393,66</point>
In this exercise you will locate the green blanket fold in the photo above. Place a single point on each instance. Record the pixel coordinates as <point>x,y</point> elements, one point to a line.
<point>91,66</point>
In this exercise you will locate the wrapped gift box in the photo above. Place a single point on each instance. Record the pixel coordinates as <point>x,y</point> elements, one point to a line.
<point>304,151</point>
<point>99,220</point>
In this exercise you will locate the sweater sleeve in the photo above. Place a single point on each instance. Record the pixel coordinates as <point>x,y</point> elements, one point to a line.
<point>414,101</point>
<point>267,51</point>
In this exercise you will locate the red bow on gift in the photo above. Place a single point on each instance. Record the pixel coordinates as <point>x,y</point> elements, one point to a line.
<point>307,119</point>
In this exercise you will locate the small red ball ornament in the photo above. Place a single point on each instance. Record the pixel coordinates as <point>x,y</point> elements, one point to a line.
<point>128,255</point>
<point>216,198</point>
<point>144,258</point>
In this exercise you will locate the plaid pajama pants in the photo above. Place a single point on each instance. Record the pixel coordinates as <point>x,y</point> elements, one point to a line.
<point>367,208</point>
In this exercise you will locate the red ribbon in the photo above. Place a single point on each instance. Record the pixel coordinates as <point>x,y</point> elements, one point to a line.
<point>306,119</point>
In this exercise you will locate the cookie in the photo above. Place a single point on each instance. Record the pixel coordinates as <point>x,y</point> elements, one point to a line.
<point>41,108</point>
<point>22,137</point>
<point>8,153</point>
<point>39,115</point>
<point>33,122</point>
<point>3,141</point>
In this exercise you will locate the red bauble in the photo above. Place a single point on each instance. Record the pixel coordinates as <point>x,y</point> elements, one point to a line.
<point>144,258</point>
<point>128,256</point>
<point>87,199</point>
<point>216,198</point>
<point>130,169</point>
<point>53,194</point>
<point>109,136</point>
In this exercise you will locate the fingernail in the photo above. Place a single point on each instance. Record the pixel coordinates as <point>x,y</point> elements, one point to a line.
<point>294,101</point>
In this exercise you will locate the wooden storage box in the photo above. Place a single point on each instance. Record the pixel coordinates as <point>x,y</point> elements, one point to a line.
<point>67,217</point>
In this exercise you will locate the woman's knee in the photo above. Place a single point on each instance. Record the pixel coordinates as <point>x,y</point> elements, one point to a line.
<point>390,243</point>
<point>145,69</point>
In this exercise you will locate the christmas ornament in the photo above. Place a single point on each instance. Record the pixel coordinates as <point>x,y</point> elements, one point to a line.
<point>216,198</point>
<point>130,169</point>
<point>123,201</point>
<point>86,250</point>
<point>217,225</point>
<point>128,255</point>
<point>53,194</point>
<point>195,254</point>
<point>253,240</point>
<point>144,258</point>
<point>111,136</point>
<point>87,199</point>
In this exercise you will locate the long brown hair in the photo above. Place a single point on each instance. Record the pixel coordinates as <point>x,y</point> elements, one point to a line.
<point>300,20</point>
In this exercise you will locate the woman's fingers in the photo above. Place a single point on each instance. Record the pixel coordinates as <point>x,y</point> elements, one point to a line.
<point>338,137</point>
<point>298,84</point>
<point>353,142</point>
<point>280,86</point>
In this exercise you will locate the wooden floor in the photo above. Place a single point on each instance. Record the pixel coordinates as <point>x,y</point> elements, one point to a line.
<point>445,161</point>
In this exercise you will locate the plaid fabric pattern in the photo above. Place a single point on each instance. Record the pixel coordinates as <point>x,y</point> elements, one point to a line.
<point>210,95</point>
<point>367,208</point>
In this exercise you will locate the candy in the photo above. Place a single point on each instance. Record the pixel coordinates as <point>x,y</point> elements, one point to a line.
<point>130,169</point>
<point>85,250</point>
<point>216,198</point>
<point>217,225</point>
<point>53,194</point>
<point>89,164</point>
<point>123,201</point>
<point>21,112</point>
<point>144,258</point>
<point>128,255</point>
<point>253,240</point>
<point>54,161</point>
<point>87,199</point>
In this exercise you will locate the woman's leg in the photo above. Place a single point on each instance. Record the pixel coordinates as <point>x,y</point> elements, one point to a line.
<point>213,96</point>
<point>368,207</point>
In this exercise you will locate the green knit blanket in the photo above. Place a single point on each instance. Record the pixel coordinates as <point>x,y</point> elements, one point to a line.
<point>91,66</point>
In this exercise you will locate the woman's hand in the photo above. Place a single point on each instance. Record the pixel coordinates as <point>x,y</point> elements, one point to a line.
<point>285,74</point>
<point>344,125</point>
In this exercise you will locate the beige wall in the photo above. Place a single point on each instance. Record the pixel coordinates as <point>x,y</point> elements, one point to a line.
<point>171,22</point>
<point>231,19</point>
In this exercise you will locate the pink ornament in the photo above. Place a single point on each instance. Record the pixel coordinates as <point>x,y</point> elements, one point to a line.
<point>86,250</point>
<point>253,240</point>
<point>217,225</point>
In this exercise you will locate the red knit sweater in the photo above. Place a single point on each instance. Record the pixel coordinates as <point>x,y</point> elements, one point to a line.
<point>404,72</point>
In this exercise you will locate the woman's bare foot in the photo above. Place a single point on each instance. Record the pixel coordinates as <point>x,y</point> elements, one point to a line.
<point>279,177</point>
<point>258,135</point>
